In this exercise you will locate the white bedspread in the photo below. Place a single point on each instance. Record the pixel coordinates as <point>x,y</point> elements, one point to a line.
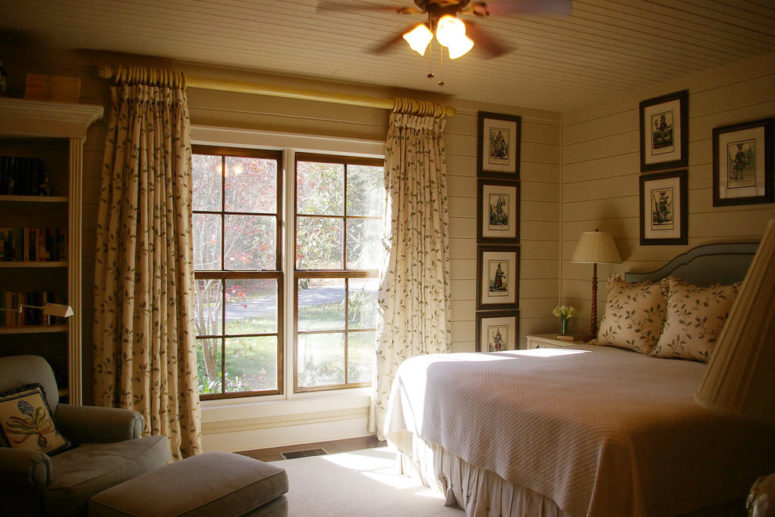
<point>601,431</point>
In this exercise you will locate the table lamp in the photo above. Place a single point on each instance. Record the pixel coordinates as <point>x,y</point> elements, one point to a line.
<point>595,248</point>
<point>49,309</point>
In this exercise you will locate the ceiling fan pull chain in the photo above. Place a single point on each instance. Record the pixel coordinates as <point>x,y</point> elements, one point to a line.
<point>430,61</point>
<point>441,66</point>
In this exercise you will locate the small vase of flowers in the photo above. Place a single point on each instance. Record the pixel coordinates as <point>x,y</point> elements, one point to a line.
<point>565,313</point>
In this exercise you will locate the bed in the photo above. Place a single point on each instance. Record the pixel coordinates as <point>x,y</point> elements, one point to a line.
<point>592,430</point>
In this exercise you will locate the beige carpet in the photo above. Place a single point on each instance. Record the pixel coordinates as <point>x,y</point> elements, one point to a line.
<point>358,483</point>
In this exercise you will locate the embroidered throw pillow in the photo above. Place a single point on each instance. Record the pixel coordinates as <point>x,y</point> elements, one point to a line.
<point>634,315</point>
<point>26,423</point>
<point>695,317</point>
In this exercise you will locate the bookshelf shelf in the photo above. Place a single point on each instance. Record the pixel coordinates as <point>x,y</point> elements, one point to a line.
<point>33,264</point>
<point>34,329</point>
<point>33,199</point>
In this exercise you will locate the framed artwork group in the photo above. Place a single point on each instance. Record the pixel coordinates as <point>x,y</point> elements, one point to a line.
<point>498,217</point>
<point>664,145</point>
<point>742,167</point>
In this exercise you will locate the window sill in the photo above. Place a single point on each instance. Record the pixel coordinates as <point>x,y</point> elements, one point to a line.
<point>263,407</point>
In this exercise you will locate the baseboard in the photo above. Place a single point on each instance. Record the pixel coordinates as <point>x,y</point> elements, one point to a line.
<point>265,436</point>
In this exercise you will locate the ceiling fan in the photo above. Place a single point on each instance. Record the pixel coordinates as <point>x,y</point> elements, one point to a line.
<point>450,31</point>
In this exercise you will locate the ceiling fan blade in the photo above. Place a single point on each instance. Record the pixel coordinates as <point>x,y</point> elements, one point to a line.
<point>385,45</point>
<point>484,41</point>
<point>325,5</point>
<point>527,7</point>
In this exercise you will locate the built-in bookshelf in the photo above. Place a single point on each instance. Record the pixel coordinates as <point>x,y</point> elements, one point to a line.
<point>41,162</point>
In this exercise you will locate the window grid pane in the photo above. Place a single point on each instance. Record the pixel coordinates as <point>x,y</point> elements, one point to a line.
<point>320,311</point>
<point>238,319</point>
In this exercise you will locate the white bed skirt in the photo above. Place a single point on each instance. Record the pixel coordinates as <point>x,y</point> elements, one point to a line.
<point>482,493</point>
<point>477,491</point>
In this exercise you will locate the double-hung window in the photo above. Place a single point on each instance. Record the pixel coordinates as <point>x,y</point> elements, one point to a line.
<point>339,208</point>
<point>334,208</point>
<point>237,209</point>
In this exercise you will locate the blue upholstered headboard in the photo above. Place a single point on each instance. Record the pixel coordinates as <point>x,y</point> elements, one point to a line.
<point>705,265</point>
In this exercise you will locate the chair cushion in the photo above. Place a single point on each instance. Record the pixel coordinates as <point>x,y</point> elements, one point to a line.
<point>26,423</point>
<point>216,483</point>
<point>91,468</point>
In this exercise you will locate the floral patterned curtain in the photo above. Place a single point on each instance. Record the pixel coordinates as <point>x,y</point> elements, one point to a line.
<point>414,295</point>
<point>145,356</point>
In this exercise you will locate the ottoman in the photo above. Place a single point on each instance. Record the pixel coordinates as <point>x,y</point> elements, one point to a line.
<point>216,483</point>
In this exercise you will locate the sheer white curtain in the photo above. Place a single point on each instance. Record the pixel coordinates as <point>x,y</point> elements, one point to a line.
<point>144,353</point>
<point>414,295</point>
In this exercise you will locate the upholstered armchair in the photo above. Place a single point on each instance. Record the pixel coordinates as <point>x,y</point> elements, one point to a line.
<point>107,448</point>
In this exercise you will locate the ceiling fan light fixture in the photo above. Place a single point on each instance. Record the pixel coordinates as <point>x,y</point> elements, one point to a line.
<point>460,47</point>
<point>418,38</point>
<point>450,31</point>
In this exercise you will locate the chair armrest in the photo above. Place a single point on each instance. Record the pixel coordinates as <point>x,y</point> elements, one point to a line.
<point>24,468</point>
<point>95,424</point>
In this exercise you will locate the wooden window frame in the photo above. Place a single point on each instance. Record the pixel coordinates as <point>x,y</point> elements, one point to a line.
<point>229,274</point>
<point>344,273</point>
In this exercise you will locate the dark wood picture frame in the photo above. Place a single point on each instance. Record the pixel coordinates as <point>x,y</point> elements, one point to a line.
<point>658,129</point>
<point>485,231</point>
<point>480,316</point>
<point>752,163</point>
<point>660,189</point>
<point>498,156</point>
<point>510,299</point>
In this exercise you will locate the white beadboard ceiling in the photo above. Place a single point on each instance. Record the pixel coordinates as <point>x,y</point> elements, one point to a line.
<point>605,48</point>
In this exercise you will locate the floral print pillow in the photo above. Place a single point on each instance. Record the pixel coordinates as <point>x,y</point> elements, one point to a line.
<point>634,315</point>
<point>26,423</point>
<point>695,317</point>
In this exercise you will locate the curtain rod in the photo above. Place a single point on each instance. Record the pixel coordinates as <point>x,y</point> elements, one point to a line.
<point>207,83</point>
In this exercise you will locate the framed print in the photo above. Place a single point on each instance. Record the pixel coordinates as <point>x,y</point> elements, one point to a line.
<point>663,208</point>
<point>664,132</point>
<point>497,331</point>
<point>498,145</point>
<point>497,212</point>
<point>498,280</point>
<point>742,163</point>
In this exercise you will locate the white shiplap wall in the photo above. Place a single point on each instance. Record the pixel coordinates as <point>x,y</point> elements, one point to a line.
<point>601,169</point>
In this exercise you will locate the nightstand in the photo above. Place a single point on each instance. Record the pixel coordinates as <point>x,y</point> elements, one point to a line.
<point>550,341</point>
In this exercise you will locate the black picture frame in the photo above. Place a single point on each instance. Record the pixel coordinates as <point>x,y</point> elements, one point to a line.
<point>488,260</point>
<point>505,230</point>
<point>661,221</point>
<point>511,342</point>
<point>747,177</point>
<point>498,145</point>
<point>660,147</point>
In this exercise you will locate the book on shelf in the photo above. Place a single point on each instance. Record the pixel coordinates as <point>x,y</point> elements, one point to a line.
<point>23,176</point>
<point>29,316</point>
<point>32,244</point>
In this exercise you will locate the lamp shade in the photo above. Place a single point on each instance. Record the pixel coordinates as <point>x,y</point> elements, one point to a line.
<point>596,247</point>
<point>57,309</point>
<point>418,38</point>
<point>740,377</point>
<point>461,47</point>
<point>450,31</point>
